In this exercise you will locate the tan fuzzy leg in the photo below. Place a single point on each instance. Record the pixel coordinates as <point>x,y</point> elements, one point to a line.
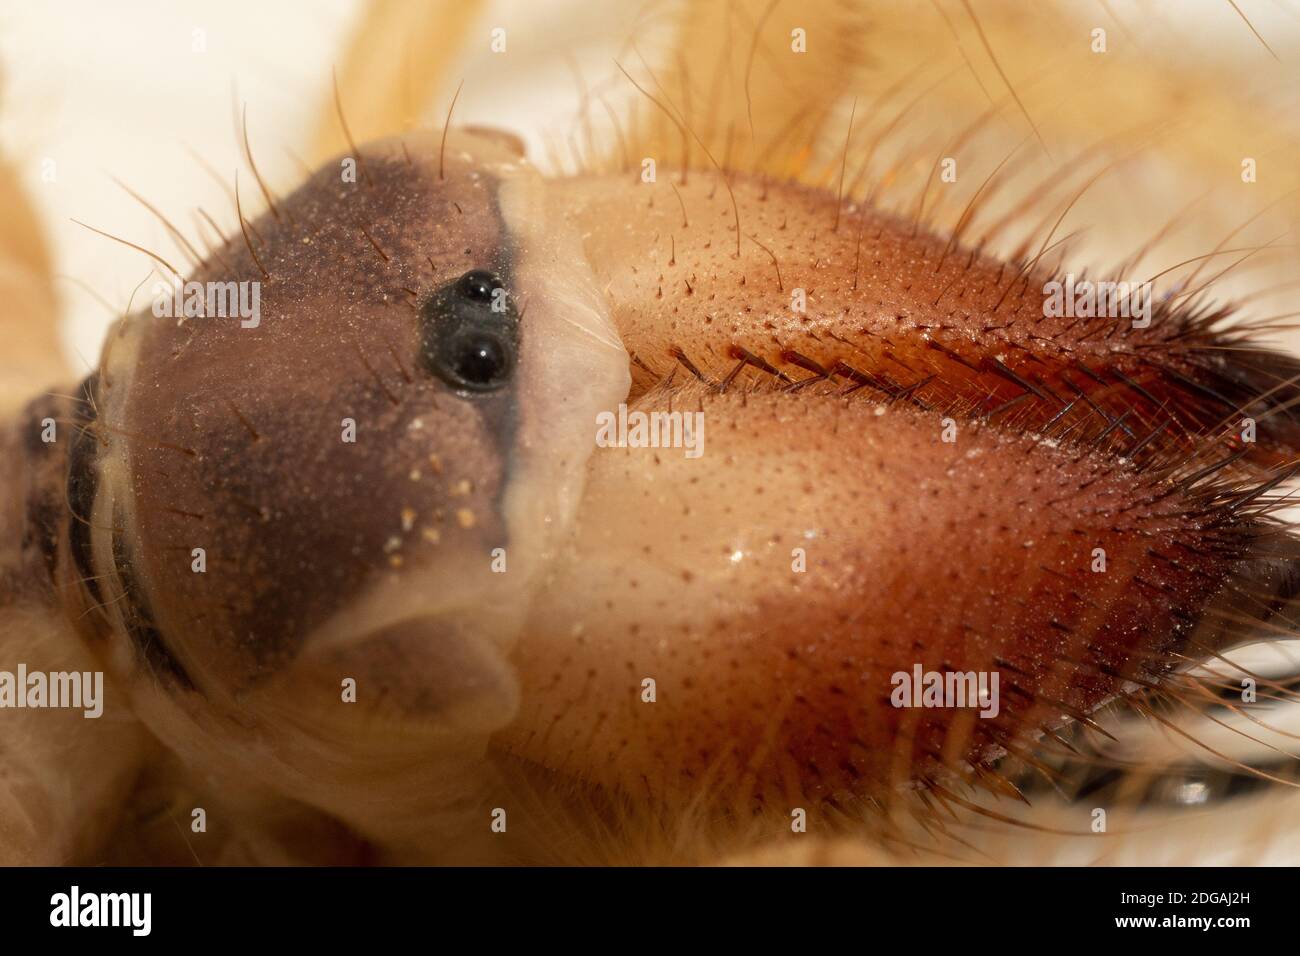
<point>29,357</point>
<point>398,56</point>
<point>63,777</point>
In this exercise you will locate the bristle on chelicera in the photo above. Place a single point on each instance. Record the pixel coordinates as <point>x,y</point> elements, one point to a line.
<point>900,313</point>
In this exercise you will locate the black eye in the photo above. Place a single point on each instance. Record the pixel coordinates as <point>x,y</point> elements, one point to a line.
<point>481,360</point>
<point>469,333</point>
<point>478,286</point>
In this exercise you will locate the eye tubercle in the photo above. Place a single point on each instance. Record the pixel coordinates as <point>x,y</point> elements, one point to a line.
<point>470,333</point>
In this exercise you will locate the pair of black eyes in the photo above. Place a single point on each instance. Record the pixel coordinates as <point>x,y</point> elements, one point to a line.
<point>469,333</point>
